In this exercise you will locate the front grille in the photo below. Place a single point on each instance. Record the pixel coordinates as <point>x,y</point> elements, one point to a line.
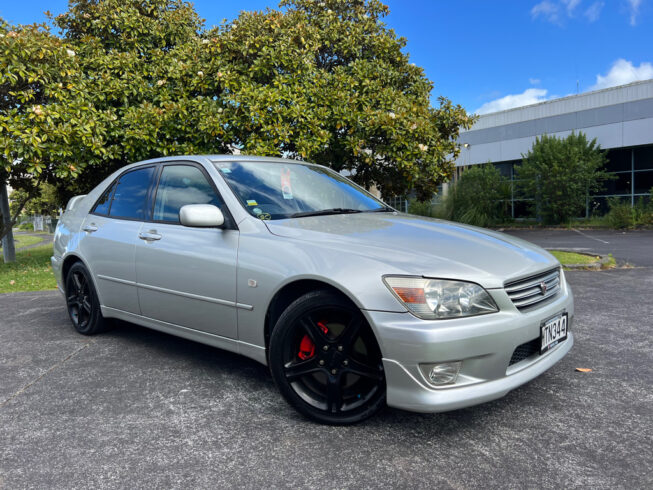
<point>531,291</point>
<point>525,350</point>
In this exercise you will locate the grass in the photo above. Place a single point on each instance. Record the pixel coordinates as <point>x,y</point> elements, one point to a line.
<point>567,258</point>
<point>30,272</point>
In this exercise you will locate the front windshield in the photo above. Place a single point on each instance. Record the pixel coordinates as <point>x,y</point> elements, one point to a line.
<point>275,190</point>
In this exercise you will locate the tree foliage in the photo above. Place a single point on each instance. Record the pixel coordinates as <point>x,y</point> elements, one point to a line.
<point>42,202</point>
<point>479,197</point>
<point>128,80</point>
<point>328,81</point>
<point>560,173</point>
<point>48,130</point>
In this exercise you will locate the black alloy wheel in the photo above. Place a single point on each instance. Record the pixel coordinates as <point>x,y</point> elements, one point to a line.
<point>326,361</point>
<point>82,302</point>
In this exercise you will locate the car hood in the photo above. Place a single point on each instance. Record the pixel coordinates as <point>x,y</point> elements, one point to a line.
<point>408,244</point>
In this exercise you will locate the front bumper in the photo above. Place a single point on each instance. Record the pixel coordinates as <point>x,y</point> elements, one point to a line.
<point>484,344</point>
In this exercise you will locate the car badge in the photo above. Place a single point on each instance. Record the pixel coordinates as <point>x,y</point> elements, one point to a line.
<point>543,288</point>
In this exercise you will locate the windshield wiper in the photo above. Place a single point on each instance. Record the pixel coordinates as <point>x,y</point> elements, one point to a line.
<point>384,209</point>
<point>325,212</point>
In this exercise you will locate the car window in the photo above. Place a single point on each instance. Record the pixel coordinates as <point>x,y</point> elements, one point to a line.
<point>130,199</point>
<point>271,190</point>
<point>180,185</point>
<point>103,204</point>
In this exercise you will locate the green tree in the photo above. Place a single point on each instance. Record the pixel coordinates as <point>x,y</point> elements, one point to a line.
<point>479,197</point>
<point>47,128</point>
<point>328,81</point>
<point>134,79</point>
<point>560,174</point>
<point>140,63</point>
<point>44,202</point>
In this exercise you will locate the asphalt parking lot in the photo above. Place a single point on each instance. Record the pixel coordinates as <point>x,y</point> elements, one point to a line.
<point>634,247</point>
<point>136,408</point>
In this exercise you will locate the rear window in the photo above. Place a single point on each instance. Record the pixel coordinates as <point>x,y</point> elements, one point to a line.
<point>104,203</point>
<point>130,198</point>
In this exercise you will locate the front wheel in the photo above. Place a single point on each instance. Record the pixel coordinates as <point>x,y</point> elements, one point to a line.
<point>325,360</point>
<point>82,302</point>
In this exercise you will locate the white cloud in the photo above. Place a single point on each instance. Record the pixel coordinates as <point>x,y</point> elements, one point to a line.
<point>548,10</point>
<point>593,12</point>
<point>571,6</point>
<point>527,97</point>
<point>623,72</point>
<point>534,81</point>
<point>634,10</point>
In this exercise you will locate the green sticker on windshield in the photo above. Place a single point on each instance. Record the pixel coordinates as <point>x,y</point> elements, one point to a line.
<point>252,202</point>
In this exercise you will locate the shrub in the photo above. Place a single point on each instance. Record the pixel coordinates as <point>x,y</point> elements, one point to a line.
<point>422,208</point>
<point>479,197</point>
<point>560,173</point>
<point>620,215</point>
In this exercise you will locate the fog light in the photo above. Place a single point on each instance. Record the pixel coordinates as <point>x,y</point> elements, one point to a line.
<point>444,373</point>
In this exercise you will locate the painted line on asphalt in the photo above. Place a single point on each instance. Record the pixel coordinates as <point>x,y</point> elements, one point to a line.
<point>586,235</point>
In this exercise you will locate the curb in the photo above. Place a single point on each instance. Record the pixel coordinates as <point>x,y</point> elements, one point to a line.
<point>596,265</point>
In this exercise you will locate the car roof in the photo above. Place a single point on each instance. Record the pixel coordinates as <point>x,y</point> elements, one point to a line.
<point>223,158</point>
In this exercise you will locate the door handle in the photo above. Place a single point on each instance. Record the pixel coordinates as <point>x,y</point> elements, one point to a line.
<point>149,236</point>
<point>90,228</point>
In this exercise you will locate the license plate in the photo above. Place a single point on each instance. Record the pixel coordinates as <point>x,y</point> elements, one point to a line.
<point>552,332</point>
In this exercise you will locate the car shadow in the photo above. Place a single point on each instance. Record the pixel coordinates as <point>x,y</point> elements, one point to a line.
<point>250,375</point>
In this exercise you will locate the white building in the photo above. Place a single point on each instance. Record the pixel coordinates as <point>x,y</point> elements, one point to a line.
<point>620,118</point>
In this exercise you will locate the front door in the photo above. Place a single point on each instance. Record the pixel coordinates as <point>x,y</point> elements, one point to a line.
<point>187,276</point>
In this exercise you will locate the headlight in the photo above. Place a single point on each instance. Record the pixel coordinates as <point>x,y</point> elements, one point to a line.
<point>434,299</point>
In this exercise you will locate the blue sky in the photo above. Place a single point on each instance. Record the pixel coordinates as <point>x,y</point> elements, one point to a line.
<point>489,55</point>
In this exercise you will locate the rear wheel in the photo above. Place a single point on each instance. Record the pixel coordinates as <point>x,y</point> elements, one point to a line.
<point>82,302</point>
<point>325,360</point>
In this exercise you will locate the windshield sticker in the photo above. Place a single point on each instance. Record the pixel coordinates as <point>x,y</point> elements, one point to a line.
<point>257,210</point>
<point>252,202</point>
<point>286,188</point>
<point>225,170</point>
<point>264,216</point>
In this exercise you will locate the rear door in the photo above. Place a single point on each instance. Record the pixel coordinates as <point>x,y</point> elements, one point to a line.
<point>187,276</point>
<point>111,234</point>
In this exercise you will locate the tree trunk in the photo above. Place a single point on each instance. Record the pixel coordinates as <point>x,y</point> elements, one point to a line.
<point>8,249</point>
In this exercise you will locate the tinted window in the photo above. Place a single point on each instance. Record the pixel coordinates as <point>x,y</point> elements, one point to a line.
<point>620,185</point>
<point>102,206</point>
<point>180,185</point>
<point>619,160</point>
<point>644,158</point>
<point>130,198</point>
<point>643,182</point>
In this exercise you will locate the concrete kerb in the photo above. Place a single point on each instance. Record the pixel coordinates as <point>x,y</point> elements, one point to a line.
<point>599,264</point>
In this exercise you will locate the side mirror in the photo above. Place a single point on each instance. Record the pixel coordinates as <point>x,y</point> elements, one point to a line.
<point>201,216</point>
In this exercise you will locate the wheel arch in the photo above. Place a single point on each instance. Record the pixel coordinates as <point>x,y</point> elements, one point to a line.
<point>71,259</point>
<point>291,291</point>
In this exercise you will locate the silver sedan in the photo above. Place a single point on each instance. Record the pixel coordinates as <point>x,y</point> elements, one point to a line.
<point>350,303</point>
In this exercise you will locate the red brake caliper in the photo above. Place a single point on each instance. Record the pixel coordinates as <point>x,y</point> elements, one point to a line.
<point>307,347</point>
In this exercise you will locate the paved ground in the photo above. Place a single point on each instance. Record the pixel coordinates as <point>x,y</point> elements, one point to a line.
<point>45,239</point>
<point>634,247</point>
<point>136,408</point>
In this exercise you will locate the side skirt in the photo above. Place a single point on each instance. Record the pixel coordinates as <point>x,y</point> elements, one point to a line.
<point>248,350</point>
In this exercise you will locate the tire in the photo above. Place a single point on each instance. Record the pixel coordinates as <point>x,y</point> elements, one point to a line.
<point>82,302</point>
<point>325,360</point>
